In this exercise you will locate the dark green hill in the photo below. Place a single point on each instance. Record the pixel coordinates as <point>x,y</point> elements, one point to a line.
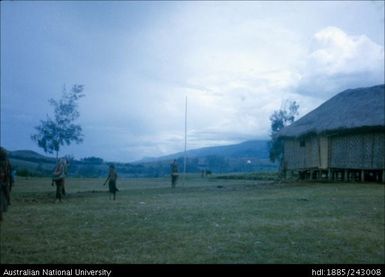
<point>29,155</point>
<point>249,156</point>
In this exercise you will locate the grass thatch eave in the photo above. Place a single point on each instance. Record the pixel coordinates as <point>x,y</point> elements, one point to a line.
<point>353,109</point>
<point>340,132</point>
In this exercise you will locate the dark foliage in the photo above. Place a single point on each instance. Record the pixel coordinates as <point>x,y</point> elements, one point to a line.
<point>279,120</point>
<point>60,130</point>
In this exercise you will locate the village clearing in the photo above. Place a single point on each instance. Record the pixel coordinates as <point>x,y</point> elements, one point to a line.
<point>201,221</point>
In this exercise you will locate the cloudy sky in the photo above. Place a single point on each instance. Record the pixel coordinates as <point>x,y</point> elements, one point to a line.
<point>236,62</point>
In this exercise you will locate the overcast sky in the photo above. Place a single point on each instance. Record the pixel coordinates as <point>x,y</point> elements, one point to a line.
<point>236,62</point>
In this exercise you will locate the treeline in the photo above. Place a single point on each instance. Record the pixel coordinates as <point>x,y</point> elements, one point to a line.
<point>97,167</point>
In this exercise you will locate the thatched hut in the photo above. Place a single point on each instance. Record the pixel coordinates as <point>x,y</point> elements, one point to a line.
<point>344,138</point>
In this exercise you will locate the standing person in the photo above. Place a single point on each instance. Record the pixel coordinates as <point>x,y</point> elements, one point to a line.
<point>174,173</point>
<point>13,178</point>
<point>58,178</point>
<point>65,165</point>
<point>5,182</point>
<point>112,177</point>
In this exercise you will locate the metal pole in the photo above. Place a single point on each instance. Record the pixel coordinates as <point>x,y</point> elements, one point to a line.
<point>185,142</point>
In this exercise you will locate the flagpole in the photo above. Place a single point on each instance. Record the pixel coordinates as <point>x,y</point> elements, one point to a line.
<point>185,142</point>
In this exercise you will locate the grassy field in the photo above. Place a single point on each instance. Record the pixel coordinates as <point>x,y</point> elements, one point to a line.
<point>214,221</point>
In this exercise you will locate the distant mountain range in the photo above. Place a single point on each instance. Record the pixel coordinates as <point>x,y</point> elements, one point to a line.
<point>29,155</point>
<point>248,149</point>
<point>243,157</point>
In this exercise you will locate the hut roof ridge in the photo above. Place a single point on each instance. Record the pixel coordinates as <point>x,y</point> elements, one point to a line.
<point>349,109</point>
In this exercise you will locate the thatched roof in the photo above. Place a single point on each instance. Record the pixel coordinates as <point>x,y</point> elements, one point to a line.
<point>350,109</point>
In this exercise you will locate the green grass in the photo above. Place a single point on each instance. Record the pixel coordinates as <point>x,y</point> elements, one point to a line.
<point>211,221</point>
<point>265,176</point>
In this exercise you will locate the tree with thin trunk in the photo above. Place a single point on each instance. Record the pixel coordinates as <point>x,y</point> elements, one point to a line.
<point>53,133</point>
<point>279,120</point>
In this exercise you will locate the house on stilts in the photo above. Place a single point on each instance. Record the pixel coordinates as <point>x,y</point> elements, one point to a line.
<point>343,139</point>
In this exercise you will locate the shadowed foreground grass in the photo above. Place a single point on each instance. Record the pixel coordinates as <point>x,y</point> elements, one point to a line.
<point>202,221</point>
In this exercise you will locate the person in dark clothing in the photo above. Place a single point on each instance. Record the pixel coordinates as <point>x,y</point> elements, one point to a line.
<point>174,173</point>
<point>5,182</point>
<point>58,178</point>
<point>112,178</point>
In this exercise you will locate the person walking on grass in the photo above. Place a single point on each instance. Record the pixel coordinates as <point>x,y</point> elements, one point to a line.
<point>174,173</point>
<point>5,182</point>
<point>112,177</point>
<point>59,179</point>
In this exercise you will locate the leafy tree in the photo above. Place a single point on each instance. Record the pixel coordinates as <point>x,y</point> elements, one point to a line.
<point>53,133</point>
<point>280,119</point>
<point>92,160</point>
